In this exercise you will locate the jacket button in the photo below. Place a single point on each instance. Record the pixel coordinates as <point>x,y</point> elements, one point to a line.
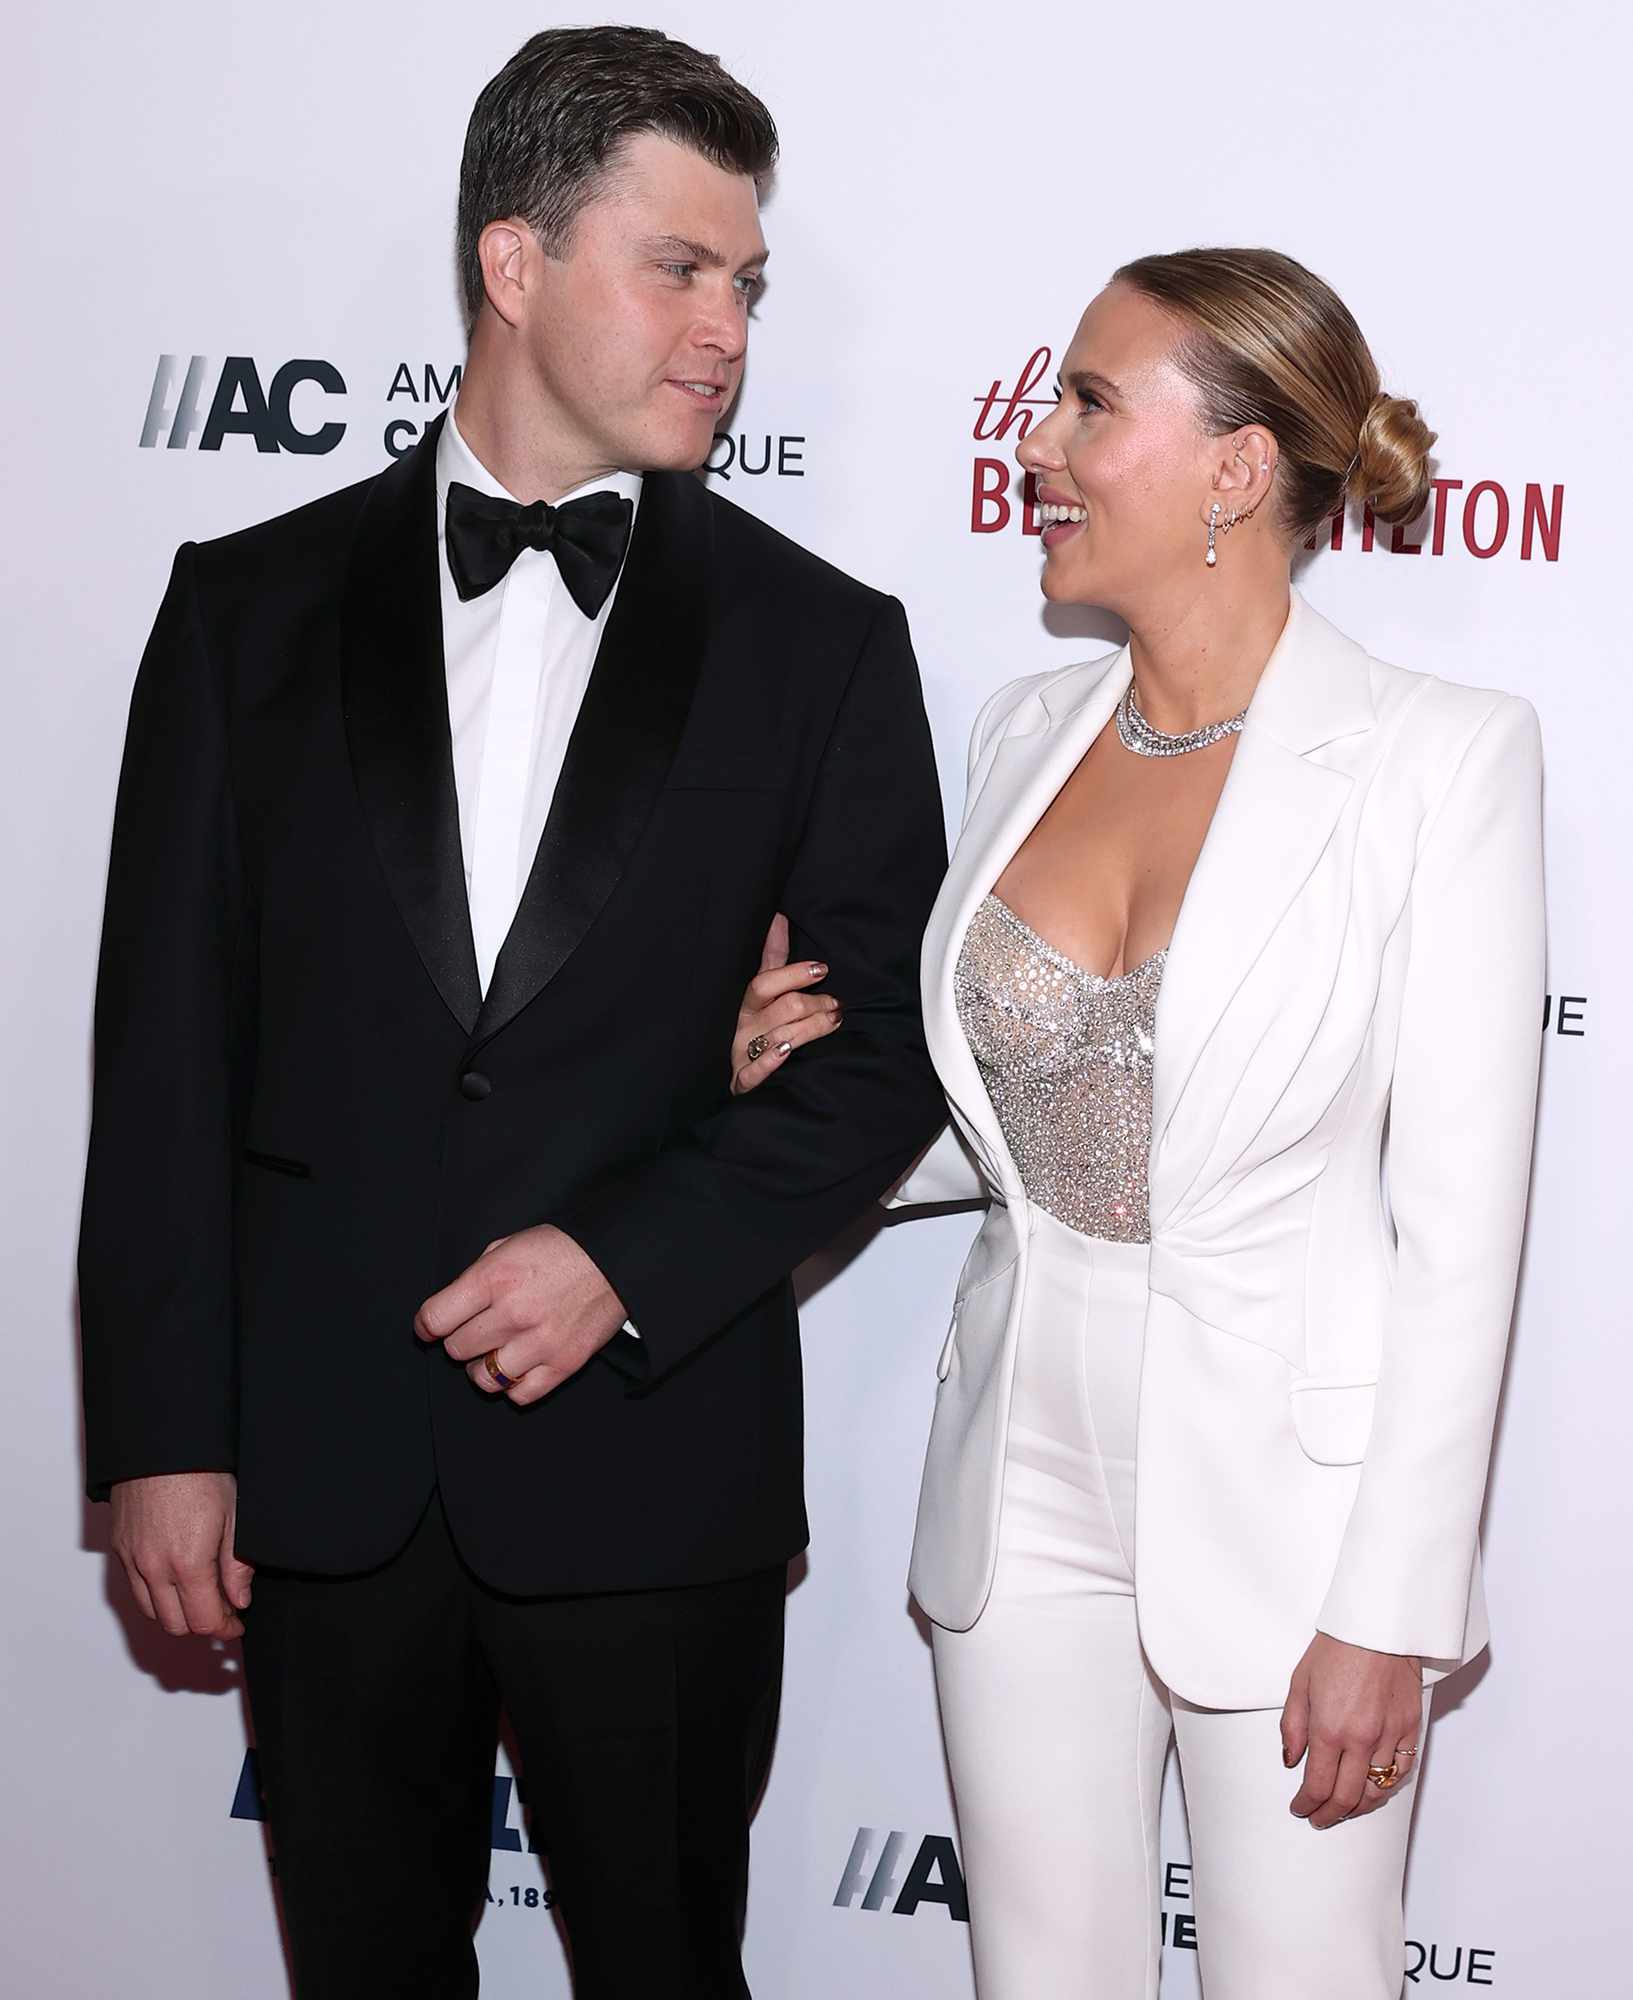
<point>474,1085</point>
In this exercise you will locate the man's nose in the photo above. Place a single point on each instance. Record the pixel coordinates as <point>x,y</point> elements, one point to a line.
<point>724,329</point>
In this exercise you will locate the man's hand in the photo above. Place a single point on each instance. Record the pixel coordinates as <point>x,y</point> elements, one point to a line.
<point>174,1534</point>
<point>536,1302</point>
<point>1350,1708</point>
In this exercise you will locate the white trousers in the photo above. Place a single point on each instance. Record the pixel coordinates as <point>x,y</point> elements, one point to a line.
<point>1057,1729</point>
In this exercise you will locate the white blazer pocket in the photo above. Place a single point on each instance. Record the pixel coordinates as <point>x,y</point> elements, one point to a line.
<point>992,1257</point>
<point>1332,1417</point>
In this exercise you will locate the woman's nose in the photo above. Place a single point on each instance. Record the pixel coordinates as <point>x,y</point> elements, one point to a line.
<point>1037,449</point>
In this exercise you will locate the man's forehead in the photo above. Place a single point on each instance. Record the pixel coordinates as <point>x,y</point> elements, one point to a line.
<point>679,197</point>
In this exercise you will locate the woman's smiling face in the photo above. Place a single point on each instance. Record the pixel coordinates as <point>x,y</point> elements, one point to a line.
<point>1125,452</point>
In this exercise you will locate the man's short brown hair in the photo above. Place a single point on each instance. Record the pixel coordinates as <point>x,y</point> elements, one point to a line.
<point>545,128</point>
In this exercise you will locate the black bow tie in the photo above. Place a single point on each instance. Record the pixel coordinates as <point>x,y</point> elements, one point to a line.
<point>587,537</point>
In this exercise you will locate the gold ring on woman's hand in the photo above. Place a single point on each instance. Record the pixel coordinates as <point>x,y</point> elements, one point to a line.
<point>1385,1776</point>
<point>758,1047</point>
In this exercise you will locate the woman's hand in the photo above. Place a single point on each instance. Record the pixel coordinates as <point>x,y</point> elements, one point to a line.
<point>1349,1708</point>
<point>777,1015</point>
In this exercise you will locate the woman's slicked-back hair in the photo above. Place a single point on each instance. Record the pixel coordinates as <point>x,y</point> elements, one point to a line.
<point>1267,342</point>
<point>545,128</point>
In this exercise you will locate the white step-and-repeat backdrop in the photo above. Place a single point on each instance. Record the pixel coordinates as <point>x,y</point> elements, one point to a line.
<point>230,288</point>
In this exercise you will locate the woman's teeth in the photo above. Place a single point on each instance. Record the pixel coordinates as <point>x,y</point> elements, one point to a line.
<point>1052,515</point>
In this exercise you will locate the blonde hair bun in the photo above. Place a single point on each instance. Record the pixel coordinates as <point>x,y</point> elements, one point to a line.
<point>1391,472</point>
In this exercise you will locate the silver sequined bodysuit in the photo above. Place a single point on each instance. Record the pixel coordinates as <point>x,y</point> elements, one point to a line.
<point>1066,1058</point>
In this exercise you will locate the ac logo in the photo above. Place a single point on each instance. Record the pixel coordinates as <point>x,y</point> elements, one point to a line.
<point>510,1829</point>
<point>876,1873</point>
<point>238,406</point>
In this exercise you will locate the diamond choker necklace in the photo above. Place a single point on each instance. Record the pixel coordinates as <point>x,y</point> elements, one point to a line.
<point>1145,739</point>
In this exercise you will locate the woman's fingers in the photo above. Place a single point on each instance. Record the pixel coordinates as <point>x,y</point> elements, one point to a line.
<point>775,949</point>
<point>1349,1788</point>
<point>779,1044</point>
<point>1320,1776</point>
<point>773,983</point>
<point>1399,1748</point>
<point>1295,1722</point>
<point>787,1012</point>
<point>794,1020</point>
<point>750,1075</point>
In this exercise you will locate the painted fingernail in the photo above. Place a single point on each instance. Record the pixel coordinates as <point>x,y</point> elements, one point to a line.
<point>785,1048</point>
<point>1287,1758</point>
<point>818,971</point>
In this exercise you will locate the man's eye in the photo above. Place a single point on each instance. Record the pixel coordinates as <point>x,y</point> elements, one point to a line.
<point>750,284</point>
<point>678,270</point>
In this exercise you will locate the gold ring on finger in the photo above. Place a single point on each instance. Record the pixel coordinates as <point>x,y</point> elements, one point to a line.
<point>758,1047</point>
<point>490,1361</point>
<point>1385,1776</point>
<point>1406,1749</point>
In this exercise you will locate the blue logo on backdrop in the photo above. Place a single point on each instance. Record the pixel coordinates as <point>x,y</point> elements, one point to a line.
<point>505,1838</point>
<point>902,1874</point>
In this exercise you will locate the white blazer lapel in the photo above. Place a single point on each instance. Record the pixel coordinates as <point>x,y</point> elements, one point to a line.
<point>1043,744</point>
<point>1275,816</point>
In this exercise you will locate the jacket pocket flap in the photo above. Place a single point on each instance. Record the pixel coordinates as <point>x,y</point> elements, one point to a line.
<point>1332,1417</point>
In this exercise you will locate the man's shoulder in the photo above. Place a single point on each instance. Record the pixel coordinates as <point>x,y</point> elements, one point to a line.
<point>766,560</point>
<point>317,532</point>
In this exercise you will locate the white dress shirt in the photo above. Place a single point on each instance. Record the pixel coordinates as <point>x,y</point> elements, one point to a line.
<point>518,660</point>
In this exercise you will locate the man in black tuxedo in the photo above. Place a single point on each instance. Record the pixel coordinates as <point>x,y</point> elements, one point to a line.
<point>435,1286</point>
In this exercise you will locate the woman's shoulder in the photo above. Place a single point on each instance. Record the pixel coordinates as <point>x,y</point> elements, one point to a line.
<point>1054,687</point>
<point>1446,716</point>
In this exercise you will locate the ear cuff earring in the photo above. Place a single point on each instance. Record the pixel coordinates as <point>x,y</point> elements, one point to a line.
<point>1216,527</point>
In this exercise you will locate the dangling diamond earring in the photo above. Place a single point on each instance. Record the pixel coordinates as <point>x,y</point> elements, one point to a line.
<point>1213,529</point>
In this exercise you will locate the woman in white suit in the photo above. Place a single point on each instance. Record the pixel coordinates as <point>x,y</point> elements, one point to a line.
<point>1235,988</point>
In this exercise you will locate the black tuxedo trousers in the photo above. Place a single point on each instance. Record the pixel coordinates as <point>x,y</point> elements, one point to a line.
<point>307,1117</point>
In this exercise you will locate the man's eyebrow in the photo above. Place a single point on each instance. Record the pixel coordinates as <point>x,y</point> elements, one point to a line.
<point>700,253</point>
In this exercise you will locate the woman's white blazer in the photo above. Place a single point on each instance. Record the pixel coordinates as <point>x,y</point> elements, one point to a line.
<point>1347,1040</point>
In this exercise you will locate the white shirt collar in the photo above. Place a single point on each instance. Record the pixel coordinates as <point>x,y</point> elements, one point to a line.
<point>456,461</point>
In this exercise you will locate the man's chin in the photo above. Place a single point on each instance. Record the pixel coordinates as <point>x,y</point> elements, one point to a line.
<point>676,454</point>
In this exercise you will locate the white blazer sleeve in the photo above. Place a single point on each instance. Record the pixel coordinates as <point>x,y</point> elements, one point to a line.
<point>1462,1111</point>
<point>944,1171</point>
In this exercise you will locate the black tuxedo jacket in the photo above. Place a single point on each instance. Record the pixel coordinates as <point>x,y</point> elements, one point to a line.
<point>307,1117</point>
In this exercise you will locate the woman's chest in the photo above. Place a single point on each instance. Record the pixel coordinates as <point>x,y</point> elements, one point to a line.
<point>1104,871</point>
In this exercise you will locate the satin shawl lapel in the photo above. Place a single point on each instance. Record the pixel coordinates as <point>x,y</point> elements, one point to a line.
<point>1043,744</point>
<point>395,702</point>
<point>622,745</point>
<point>1276,813</point>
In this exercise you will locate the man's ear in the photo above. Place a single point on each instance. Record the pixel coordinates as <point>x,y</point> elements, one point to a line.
<point>508,252</point>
